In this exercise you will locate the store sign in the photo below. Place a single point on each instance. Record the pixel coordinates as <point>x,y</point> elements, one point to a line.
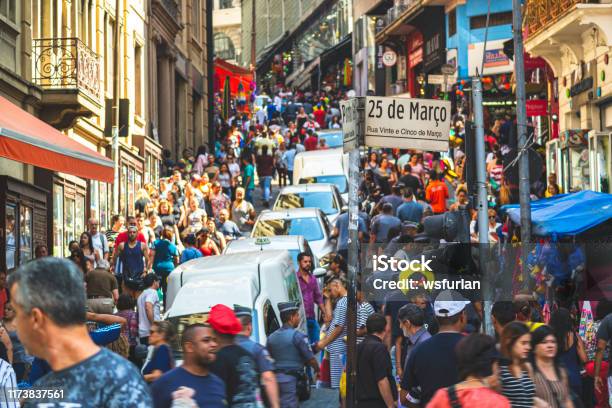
<point>415,58</point>
<point>435,79</point>
<point>495,58</point>
<point>389,58</point>
<point>537,107</point>
<point>380,52</point>
<point>422,124</point>
<point>433,52</point>
<point>582,86</point>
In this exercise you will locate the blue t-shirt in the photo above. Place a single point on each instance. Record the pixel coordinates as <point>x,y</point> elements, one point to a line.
<point>189,254</point>
<point>102,380</point>
<point>382,224</point>
<point>165,251</point>
<point>161,360</point>
<point>410,211</point>
<point>209,389</point>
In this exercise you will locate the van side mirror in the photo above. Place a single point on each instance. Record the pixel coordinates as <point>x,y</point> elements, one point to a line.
<point>344,208</point>
<point>319,272</point>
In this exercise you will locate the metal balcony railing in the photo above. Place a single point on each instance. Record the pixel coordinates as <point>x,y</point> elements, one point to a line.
<point>66,63</point>
<point>540,14</point>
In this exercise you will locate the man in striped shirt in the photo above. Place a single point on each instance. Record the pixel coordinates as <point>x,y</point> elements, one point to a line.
<point>8,385</point>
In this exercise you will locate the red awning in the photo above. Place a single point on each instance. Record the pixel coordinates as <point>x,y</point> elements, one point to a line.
<point>27,139</point>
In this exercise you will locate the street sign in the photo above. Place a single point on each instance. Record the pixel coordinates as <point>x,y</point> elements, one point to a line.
<point>422,124</point>
<point>435,79</point>
<point>352,122</point>
<point>389,58</point>
<point>448,69</point>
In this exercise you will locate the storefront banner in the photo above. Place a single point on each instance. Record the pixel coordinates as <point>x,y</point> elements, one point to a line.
<point>496,62</point>
<point>537,107</point>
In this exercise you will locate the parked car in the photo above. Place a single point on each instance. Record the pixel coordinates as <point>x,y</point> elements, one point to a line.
<point>311,223</point>
<point>256,279</point>
<point>321,195</point>
<point>322,166</point>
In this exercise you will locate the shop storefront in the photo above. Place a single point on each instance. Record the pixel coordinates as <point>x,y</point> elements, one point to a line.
<point>23,208</point>
<point>600,157</point>
<point>151,151</point>
<point>568,158</point>
<point>49,204</point>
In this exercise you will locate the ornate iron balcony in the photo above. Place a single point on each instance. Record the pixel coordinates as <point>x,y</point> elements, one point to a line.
<point>66,63</point>
<point>540,14</point>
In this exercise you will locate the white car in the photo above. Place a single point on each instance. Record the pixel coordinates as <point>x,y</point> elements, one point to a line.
<point>324,196</point>
<point>311,223</point>
<point>295,244</point>
<point>322,166</point>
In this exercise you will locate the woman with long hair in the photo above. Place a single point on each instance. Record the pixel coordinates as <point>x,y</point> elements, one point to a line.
<point>385,170</point>
<point>477,366</point>
<point>160,358</point>
<point>86,246</point>
<point>515,373</point>
<point>372,164</point>
<point>125,309</point>
<point>201,160</point>
<point>205,243</point>
<point>226,180</point>
<point>550,377</point>
<point>215,235</point>
<point>572,352</point>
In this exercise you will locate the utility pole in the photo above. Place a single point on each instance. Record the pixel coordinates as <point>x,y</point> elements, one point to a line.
<point>116,76</point>
<point>253,38</point>
<point>481,196</point>
<point>210,70</point>
<point>521,125</point>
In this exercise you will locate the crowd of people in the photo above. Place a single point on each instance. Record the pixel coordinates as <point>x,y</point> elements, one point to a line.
<point>92,325</point>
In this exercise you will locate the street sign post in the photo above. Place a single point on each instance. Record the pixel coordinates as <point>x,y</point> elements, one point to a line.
<point>422,124</point>
<point>385,122</point>
<point>352,121</point>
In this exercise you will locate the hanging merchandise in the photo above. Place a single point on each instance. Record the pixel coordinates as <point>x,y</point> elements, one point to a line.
<point>348,73</point>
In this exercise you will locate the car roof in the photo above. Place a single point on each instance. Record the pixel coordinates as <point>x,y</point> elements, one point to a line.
<point>308,212</point>
<point>320,153</point>
<point>325,131</point>
<point>276,242</point>
<point>301,188</point>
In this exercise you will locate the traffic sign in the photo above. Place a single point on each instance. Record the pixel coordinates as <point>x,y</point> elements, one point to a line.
<point>389,58</point>
<point>422,124</point>
<point>352,122</point>
<point>436,79</point>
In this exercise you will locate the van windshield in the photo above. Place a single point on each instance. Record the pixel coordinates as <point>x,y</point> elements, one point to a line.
<point>179,323</point>
<point>321,199</point>
<point>339,181</point>
<point>310,228</point>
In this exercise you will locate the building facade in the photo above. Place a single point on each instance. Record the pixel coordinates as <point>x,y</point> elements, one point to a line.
<point>574,37</point>
<point>227,28</point>
<point>56,73</point>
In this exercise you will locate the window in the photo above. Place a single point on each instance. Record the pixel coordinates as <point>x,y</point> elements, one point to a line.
<point>94,199</point>
<point>224,47</point>
<point>495,19</point>
<point>123,192</point>
<point>9,33</point>
<point>138,79</point>
<point>105,193</point>
<point>225,4</point>
<point>11,230</point>
<point>69,222</point>
<point>271,323</point>
<point>58,220</point>
<point>25,234</point>
<point>452,22</point>
<point>195,19</point>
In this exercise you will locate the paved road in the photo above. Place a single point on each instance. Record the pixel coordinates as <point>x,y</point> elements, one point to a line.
<point>322,397</point>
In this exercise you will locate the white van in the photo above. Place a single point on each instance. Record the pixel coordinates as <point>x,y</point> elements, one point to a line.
<point>258,280</point>
<point>322,166</point>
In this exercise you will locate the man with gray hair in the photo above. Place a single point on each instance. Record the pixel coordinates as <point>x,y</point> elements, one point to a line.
<point>102,289</point>
<point>49,299</point>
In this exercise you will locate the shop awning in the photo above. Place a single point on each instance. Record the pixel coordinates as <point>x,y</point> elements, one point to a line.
<point>27,139</point>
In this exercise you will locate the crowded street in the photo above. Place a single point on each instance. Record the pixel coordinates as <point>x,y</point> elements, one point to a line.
<point>306,203</point>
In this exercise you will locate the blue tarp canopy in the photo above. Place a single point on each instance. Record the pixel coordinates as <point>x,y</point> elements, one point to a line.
<point>566,214</point>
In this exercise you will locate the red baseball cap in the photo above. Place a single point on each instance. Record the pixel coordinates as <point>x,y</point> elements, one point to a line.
<point>224,320</point>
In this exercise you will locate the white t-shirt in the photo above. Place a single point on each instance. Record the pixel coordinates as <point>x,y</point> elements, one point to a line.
<point>148,296</point>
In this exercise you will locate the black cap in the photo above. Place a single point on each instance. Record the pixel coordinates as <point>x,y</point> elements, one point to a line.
<point>288,306</point>
<point>241,311</point>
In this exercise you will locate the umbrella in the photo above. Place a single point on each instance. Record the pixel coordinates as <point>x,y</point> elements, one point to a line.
<point>226,98</point>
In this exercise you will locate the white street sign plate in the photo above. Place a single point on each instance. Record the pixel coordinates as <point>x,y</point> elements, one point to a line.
<point>352,122</point>
<point>435,79</point>
<point>422,124</point>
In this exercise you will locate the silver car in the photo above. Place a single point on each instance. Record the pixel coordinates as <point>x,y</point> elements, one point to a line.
<point>311,223</point>
<point>324,196</point>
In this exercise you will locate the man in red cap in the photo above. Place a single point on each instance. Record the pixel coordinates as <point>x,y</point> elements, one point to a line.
<point>234,365</point>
